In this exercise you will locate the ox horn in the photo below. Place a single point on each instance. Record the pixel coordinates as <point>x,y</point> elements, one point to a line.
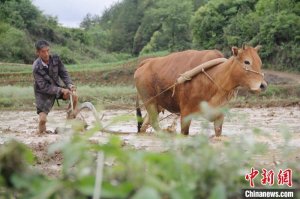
<point>235,51</point>
<point>258,47</point>
<point>244,46</point>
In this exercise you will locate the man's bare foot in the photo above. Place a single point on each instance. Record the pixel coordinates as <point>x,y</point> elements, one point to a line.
<point>45,132</point>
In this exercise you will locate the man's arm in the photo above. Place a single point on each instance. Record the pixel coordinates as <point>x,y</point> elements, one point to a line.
<point>64,75</point>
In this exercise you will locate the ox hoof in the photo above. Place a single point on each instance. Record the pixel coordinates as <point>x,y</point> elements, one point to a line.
<point>143,129</point>
<point>219,138</point>
<point>170,130</point>
<point>141,132</point>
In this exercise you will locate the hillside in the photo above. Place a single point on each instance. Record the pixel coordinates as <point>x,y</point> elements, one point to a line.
<point>130,28</point>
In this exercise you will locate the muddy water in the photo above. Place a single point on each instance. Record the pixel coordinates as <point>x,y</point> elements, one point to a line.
<point>21,125</point>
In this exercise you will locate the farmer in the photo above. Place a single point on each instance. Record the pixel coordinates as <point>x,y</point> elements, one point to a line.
<point>49,75</point>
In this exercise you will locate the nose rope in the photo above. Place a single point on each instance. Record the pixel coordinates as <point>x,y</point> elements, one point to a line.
<point>253,71</point>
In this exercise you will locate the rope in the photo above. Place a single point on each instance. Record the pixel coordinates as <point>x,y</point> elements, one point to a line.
<point>185,77</point>
<point>246,68</point>
<point>253,71</point>
<point>166,117</point>
<point>173,85</point>
<point>211,79</point>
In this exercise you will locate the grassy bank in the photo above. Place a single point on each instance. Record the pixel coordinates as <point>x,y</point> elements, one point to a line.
<point>22,98</point>
<point>118,72</point>
<point>7,68</point>
<point>275,95</point>
<point>123,96</point>
<point>112,85</point>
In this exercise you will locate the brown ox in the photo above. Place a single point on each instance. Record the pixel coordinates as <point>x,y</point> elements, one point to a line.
<point>154,75</point>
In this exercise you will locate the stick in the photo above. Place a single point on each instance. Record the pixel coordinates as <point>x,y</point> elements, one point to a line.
<point>99,172</point>
<point>71,102</point>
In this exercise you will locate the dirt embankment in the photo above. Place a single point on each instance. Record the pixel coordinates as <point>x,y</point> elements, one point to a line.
<point>124,75</point>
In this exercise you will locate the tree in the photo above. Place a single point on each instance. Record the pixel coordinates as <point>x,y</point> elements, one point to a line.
<point>210,21</point>
<point>280,32</point>
<point>168,19</point>
<point>19,13</point>
<point>89,21</point>
<point>14,44</point>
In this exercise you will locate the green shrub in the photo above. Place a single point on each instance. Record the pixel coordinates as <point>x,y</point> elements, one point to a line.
<point>15,45</point>
<point>188,167</point>
<point>5,102</point>
<point>272,91</point>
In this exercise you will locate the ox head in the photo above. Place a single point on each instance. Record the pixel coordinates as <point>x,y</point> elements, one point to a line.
<point>248,69</point>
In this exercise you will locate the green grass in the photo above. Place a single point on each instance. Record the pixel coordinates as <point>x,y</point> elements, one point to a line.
<point>108,96</point>
<point>20,96</point>
<point>123,96</point>
<point>275,95</point>
<point>16,97</point>
<point>101,66</point>
<point>13,69</point>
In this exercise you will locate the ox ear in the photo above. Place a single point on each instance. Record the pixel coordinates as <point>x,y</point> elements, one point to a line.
<point>258,47</point>
<point>235,51</point>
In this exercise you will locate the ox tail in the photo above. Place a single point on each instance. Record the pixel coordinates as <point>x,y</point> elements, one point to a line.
<point>139,117</point>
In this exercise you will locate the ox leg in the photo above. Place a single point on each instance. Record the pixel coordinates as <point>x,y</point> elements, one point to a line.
<point>218,125</point>
<point>185,124</point>
<point>153,116</point>
<point>146,122</point>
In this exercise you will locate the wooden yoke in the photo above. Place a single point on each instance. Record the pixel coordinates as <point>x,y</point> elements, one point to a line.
<point>191,73</point>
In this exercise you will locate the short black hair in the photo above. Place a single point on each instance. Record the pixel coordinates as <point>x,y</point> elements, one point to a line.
<point>41,44</point>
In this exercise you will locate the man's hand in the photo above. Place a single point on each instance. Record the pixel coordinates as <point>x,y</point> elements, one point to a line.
<point>73,88</point>
<point>65,91</point>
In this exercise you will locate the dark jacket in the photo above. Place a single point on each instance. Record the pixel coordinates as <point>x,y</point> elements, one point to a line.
<point>50,83</point>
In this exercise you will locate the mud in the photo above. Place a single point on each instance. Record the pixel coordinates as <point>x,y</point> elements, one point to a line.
<point>275,123</point>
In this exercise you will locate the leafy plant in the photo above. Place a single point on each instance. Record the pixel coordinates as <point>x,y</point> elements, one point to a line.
<point>187,167</point>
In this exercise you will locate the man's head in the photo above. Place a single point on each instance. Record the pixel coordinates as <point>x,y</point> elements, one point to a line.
<point>42,50</point>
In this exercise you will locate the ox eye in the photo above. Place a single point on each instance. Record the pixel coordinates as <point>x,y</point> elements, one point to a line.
<point>247,62</point>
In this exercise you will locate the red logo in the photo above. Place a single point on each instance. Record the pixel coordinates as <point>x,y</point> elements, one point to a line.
<point>250,177</point>
<point>268,177</point>
<point>285,177</point>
